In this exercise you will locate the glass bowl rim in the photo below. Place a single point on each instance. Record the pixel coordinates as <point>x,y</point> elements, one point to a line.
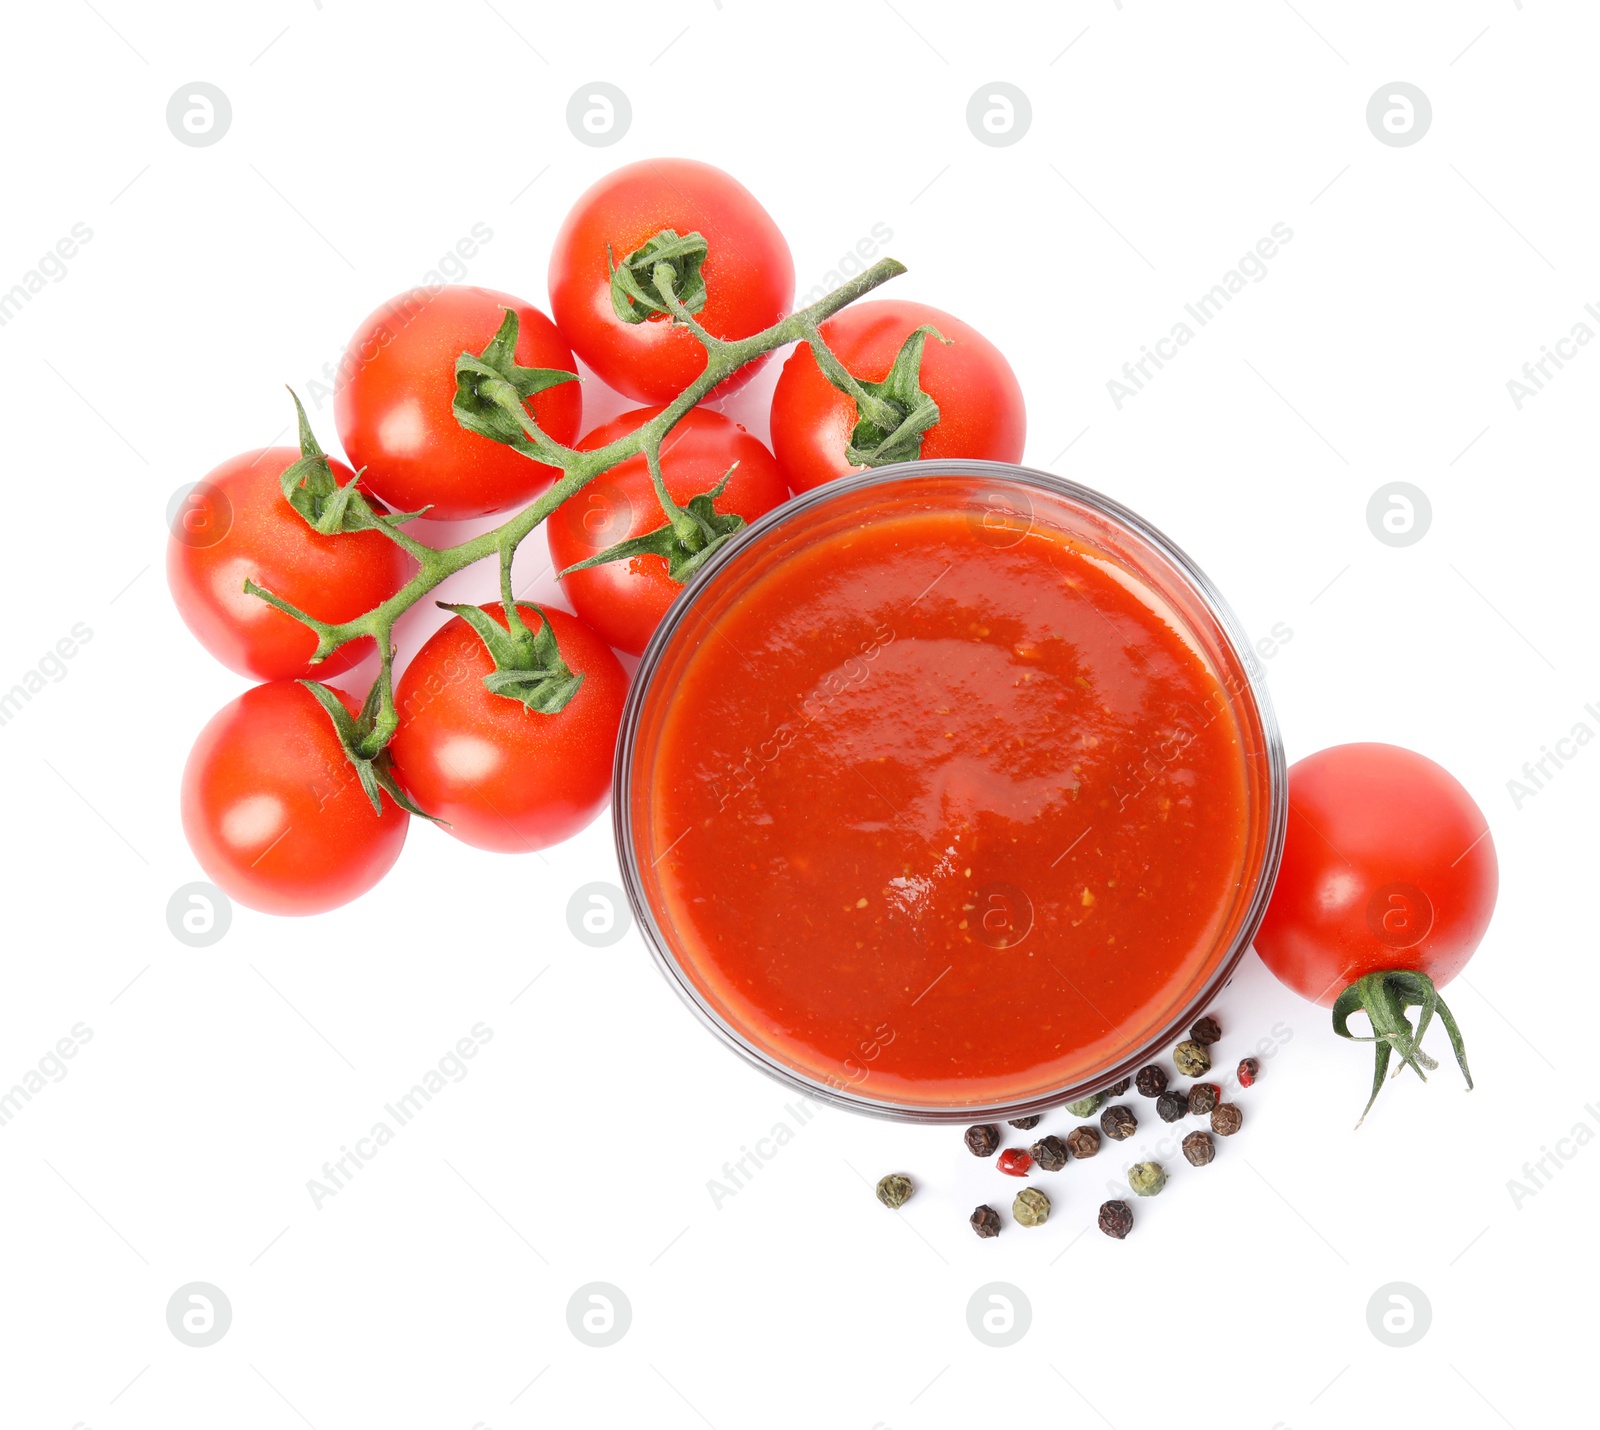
<point>886,476</point>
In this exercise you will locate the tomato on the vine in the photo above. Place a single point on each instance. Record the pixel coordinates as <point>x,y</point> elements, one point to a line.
<point>235,526</point>
<point>501,776</point>
<point>747,272</point>
<point>394,401</point>
<point>625,600</point>
<point>981,412</point>
<point>1386,887</point>
<point>274,810</point>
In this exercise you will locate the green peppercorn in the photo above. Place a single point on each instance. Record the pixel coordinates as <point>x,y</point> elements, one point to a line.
<point>1192,1059</point>
<point>1050,1153</point>
<point>895,1190</point>
<point>1116,1219</point>
<point>1151,1081</point>
<point>1027,1124</point>
<point>1199,1149</point>
<point>983,1140</point>
<point>1086,1106</point>
<point>985,1221</point>
<point>1206,1031</point>
<point>1226,1120</point>
<point>1203,1098</point>
<point>1119,1123</point>
<point>1083,1142</point>
<point>1172,1106</point>
<point>1146,1178</point>
<point>1117,1089</point>
<point>1031,1208</point>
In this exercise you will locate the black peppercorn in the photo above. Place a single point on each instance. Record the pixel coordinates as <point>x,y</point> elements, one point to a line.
<point>1117,1089</point>
<point>1050,1153</point>
<point>983,1140</point>
<point>1191,1058</point>
<point>1203,1098</point>
<point>1118,1123</point>
<point>1199,1149</point>
<point>1083,1142</point>
<point>985,1221</point>
<point>1172,1106</point>
<point>1115,1219</point>
<point>1206,1031</point>
<point>1226,1120</point>
<point>1151,1081</point>
<point>1027,1124</point>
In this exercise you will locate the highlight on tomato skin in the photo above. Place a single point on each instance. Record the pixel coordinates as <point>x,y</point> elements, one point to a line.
<point>748,273</point>
<point>981,410</point>
<point>500,776</point>
<point>396,386</point>
<point>625,600</point>
<point>238,526</point>
<point>275,812</point>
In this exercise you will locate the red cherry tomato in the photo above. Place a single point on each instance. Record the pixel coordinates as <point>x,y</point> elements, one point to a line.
<point>625,600</point>
<point>236,526</point>
<point>505,777</point>
<point>275,812</point>
<point>749,275</point>
<point>980,402</point>
<point>393,404</point>
<point>1388,864</point>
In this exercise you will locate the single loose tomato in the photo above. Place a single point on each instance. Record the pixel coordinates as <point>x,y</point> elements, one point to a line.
<point>502,776</point>
<point>274,811</point>
<point>981,411</point>
<point>747,271</point>
<point>1387,885</point>
<point>396,386</point>
<point>236,525</point>
<point>625,600</point>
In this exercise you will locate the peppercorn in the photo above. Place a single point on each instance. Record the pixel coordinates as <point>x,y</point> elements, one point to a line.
<point>983,1140</point>
<point>1115,1219</point>
<point>1249,1071</point>
<point>895,1190</point>
<point>1050,1153</point>
<point>1117,1089</point>
<point>1192,1059</point>
<point>1206,1031</point>
<point>1203,1098</point>
<point>1031,1208</point>
<point>1151,1081</point>
<point>1226,1120</point>
<point>1083,1142</point>
<point>1199,1149</point>
<point>1026,1124</point>
<point>985,1221</point>
<point>1172,1106</point>
<point>1014,1162</point>
<point>1146,1178</point>
<point>1086,1106</point>
<point>1118,1123</point>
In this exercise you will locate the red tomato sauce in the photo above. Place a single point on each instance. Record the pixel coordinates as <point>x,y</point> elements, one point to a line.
<point>943,819</point>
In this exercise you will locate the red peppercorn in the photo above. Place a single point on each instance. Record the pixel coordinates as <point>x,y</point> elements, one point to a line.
<point>1014,1162</point>
<point>1249,1071</point>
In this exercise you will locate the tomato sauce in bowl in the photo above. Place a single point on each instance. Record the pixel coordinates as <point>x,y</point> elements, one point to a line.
<point>949,788</point>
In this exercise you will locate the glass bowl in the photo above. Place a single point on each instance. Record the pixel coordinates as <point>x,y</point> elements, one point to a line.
<point>1001,505</point>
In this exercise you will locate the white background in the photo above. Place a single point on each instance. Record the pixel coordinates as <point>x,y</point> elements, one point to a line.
<point>432,1291</point>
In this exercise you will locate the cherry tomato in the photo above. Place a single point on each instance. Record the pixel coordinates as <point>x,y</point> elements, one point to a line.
<point>237,525</point>
<point>393,404</point>
<point>980,402</point>
<point>748,273</point>
<point>1388,864</point>
<point>275,812</point>
<point>503,776</point>
<point>625,600</point>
